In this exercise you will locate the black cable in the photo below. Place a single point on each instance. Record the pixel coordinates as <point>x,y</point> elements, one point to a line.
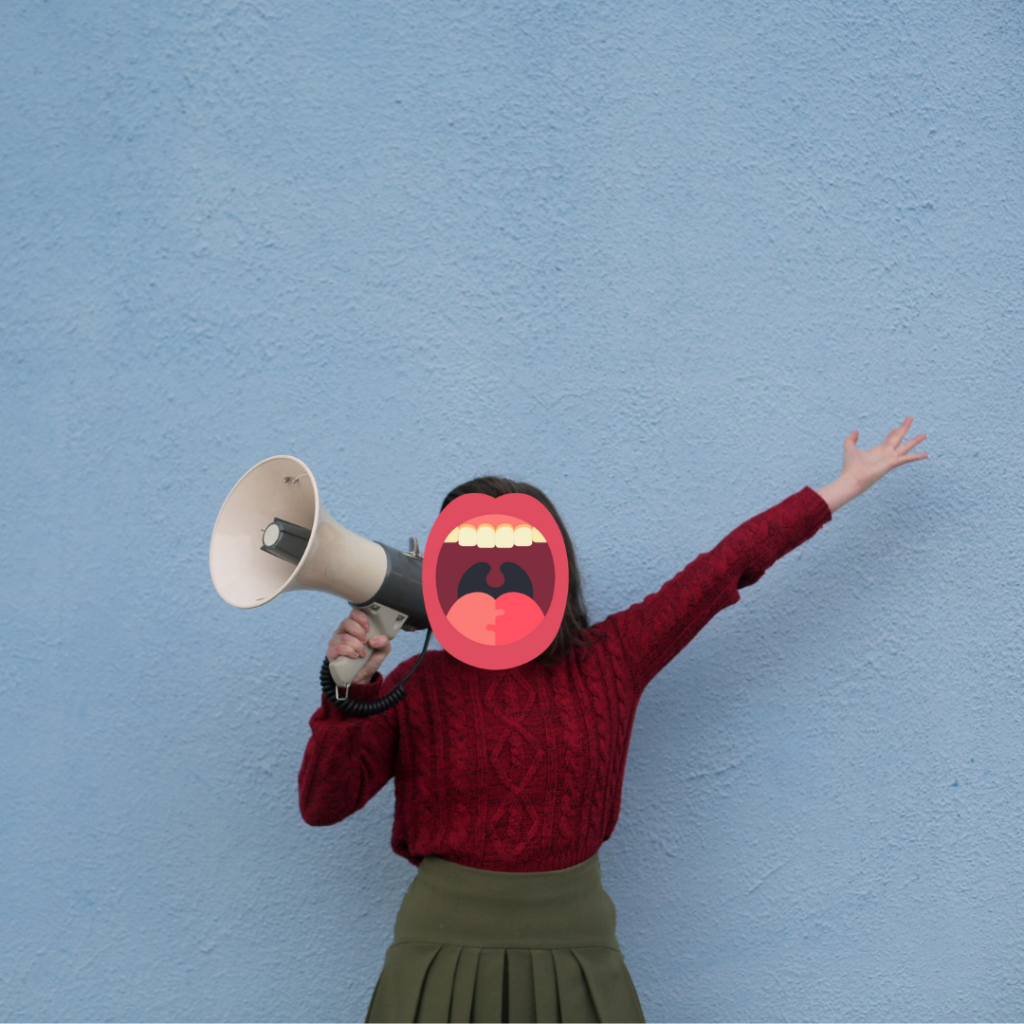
<point>365,708</point>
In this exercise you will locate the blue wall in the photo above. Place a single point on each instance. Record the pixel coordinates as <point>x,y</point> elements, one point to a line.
<point>659,259</point>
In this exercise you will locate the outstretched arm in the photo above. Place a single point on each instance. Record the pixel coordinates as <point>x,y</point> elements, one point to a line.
<point>862,468</point>
<point>646,636</point>
<point>643,638</point>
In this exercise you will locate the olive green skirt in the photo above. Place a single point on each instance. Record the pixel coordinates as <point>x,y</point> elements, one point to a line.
<point>473,945</point>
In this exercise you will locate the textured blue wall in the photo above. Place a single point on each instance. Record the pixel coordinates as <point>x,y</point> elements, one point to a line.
<point>658,258</point>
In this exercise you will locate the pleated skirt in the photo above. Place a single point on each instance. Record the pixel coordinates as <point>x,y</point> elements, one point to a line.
<point>473,945</point>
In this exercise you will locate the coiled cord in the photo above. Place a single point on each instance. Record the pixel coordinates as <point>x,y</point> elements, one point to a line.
<point>365,708</point>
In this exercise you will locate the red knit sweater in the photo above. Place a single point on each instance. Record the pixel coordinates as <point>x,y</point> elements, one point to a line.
<point>521,770</point>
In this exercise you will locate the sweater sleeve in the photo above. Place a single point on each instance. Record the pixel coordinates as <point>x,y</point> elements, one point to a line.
<point>645,637</point>
<point>348,759</point>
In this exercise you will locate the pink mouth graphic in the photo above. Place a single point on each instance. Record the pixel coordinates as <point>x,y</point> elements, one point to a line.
<point>495,579</point>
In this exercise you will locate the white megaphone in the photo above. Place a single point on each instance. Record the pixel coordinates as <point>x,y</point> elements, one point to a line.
<point>273,535</point>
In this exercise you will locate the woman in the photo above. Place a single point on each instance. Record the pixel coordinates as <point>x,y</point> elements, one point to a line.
<point>507,783</point>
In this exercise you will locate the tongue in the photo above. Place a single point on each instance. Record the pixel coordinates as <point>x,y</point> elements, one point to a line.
<point>491,621</point>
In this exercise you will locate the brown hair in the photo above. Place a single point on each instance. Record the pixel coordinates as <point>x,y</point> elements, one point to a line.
<point>574,619</point>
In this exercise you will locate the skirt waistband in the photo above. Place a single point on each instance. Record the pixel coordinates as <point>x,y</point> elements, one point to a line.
<point>451,904</point>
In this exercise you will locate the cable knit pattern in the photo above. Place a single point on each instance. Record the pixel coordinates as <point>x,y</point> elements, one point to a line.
<point>522,770</point>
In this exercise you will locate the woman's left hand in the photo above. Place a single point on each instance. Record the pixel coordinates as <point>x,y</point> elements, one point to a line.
<point>862,468</point>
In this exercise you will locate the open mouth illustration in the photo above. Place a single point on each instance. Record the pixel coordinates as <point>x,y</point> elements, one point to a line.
<point>495,579</point>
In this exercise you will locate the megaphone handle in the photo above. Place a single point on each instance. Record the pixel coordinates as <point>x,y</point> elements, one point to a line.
<point>384,621</point>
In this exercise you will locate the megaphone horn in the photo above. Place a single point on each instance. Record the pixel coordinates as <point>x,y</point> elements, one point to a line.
<point>273,534</point>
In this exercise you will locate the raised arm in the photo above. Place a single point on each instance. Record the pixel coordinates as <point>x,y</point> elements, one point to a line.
<point>646,636</point>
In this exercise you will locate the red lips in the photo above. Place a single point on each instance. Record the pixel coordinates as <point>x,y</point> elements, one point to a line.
<point>510,609</point>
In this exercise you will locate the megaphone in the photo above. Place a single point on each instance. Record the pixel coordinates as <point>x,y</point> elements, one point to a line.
<point>273,535</point>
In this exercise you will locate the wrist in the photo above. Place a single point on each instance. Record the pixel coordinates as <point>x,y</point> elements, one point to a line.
<point>843,489</point>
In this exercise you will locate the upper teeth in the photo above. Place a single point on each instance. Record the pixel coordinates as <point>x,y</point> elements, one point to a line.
<point>502,536</point>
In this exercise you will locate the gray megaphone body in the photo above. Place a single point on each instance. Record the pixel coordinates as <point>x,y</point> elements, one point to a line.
<point>273,534</point>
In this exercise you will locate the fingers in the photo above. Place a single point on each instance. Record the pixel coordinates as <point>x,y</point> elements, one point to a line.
<point>904,448</point>
<point>360,618</point>
<point>374,660</point>
<point>897,435</point>
<point>351,637</point>
<point>352,640</point>
<point>356,625</point>
<point>351,647</point>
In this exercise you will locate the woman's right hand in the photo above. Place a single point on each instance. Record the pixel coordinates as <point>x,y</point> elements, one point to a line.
<point>351,639</point>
